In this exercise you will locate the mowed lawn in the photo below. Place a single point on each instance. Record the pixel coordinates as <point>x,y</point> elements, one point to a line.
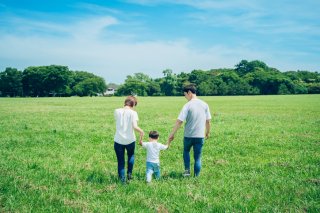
<point>56,155</point>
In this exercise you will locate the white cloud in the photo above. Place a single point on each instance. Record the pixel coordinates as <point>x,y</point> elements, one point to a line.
<point>89,44</point>
<point>114,61</point>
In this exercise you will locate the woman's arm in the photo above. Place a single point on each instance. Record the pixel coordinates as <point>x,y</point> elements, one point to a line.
<point>208,126</point>
<point>138,129</point>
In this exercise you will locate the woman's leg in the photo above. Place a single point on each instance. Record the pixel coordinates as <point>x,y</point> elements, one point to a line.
<point>130,152</point>
<point>119,149</point>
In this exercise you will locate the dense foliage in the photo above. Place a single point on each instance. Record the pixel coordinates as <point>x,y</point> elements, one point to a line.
<point>54,80</point>
<point>248,78</point>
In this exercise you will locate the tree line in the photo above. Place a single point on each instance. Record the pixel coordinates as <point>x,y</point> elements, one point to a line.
<point>46,81</point>
<point>247,78</point>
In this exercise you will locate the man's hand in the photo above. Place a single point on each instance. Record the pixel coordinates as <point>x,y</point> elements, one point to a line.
<point>171,137</point>
<point>174,130</point>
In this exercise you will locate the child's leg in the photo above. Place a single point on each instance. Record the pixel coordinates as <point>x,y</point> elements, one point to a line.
<point>156,168</point>
<point>149,172</point>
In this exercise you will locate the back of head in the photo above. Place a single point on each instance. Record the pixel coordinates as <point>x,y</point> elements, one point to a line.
<point>153,134</point>
<point>190,87</point>
<point>131,101</point>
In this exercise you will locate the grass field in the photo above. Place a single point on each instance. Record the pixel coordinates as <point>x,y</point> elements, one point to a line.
<point>56,155</point>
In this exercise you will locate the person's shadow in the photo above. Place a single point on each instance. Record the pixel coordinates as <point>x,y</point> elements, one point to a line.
<point>141,176</point>
<point>172,175</point>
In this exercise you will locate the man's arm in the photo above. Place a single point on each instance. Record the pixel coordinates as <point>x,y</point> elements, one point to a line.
<point>208,126</point>
<point>174,130</point>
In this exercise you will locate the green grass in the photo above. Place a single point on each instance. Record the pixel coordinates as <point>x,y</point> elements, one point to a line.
<point>56,155</point>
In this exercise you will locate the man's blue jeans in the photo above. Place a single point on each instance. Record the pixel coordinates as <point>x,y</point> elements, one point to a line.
<point>152,168</point>
<point>120,150</point>
<point>197,144</point>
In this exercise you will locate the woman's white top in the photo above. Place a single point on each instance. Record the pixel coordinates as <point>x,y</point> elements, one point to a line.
<point>126,119</point>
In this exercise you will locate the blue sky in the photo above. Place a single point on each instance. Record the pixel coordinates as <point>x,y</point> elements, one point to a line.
<point>114,39</point>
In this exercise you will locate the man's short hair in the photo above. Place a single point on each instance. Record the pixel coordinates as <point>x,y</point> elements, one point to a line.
<point>191,87</point>
<point>153,134</point>
<point>131,101</point>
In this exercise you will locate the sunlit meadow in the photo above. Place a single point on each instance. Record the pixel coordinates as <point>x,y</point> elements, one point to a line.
<point>56,155</point>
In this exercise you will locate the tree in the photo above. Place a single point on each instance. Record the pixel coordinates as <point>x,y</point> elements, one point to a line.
<point>90,87</point>
<point>87,84</point>
<point>153,88</point>
<point>314,88</point>
<point>245,67</point>
<point>182,80</point>
<point>56,80</point>
<point>32,81</point>
<point>11,82</point>
<point>138,84</point>
<point>300,88</point>
<point>283,89</point>
<point>205,88</point>
<point>169,83</point>
<point>46,80</point>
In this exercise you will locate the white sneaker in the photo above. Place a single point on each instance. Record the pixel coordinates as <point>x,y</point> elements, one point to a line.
<point>186,173</point>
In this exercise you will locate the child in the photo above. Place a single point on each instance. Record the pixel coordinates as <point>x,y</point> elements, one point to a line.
<point>153,152</point>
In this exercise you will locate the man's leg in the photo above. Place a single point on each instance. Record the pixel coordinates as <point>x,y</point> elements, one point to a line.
<point>119,149</point>
<point>187,143</point>
<point>197,152</point>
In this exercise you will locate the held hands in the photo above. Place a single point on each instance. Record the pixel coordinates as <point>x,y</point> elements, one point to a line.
<point>168,143</point>
<point>171,137</point>
<point>141,137</point>
<point>207,135</point>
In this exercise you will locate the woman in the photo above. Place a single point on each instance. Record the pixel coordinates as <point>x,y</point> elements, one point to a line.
<point>125,139</point>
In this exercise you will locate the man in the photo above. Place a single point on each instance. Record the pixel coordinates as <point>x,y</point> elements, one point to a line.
<point>197,117</point>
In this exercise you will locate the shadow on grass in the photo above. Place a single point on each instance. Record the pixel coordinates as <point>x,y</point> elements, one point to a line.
<point>141,177</point>
<point>173,175</point>
<point>100,178</point>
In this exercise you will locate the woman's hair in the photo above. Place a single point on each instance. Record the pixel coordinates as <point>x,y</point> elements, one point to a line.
<point>131,101</point>
<point>153,134</point>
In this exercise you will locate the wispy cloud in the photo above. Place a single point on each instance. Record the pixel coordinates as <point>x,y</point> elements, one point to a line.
<point>202,4</point>
<point>263,16</point>
<point>95,8</point>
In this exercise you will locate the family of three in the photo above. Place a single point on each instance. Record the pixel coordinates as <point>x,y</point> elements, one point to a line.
<point>196,115</point>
